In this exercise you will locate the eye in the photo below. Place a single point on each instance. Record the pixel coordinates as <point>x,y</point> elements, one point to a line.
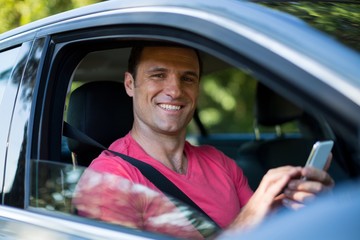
<point>158,75</point>
<point>189,79</point>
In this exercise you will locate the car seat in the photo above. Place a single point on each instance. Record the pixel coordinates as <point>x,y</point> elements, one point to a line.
<point>272,110</point>
<point>103,111</point>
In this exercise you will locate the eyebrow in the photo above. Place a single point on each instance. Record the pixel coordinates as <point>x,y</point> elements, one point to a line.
<point>162,69</point>
<point>157,69</point>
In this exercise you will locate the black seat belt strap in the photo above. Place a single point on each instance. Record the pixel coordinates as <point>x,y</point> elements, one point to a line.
<point>152,174</point>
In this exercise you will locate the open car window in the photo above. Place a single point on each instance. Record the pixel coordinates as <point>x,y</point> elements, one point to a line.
<point>241,111</point>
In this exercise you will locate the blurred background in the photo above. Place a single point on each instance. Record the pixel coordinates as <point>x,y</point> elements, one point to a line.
<point>14,13</point>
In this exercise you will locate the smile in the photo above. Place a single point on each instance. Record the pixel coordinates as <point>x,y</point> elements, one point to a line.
<point>170,107</point>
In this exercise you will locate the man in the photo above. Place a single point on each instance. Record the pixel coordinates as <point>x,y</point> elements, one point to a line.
<point>164,84</point>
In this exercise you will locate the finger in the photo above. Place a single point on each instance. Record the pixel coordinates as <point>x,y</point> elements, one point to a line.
<point>276,179</point>
<point>277,173</point>
<point>273,183</point>
<point>308,186</point>
<point>299,196</point>
<point>278,201</point>
<point>314,174</point>
<point>288,203</point>
<point>289,170</point>
<point>269,188</point>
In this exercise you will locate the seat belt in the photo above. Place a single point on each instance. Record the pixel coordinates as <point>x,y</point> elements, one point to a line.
<point>152,174</point>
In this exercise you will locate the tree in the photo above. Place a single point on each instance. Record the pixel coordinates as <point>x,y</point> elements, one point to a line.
<point>20,12</point>
<point>340,20</point>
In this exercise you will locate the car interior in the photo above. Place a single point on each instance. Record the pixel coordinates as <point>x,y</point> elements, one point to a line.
<point>103,111</point>
<point>272,110</point>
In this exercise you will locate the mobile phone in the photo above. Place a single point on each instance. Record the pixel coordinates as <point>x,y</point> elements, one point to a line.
<point>319,154</point>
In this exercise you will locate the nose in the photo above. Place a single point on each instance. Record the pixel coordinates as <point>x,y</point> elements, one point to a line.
<point>173,86</point>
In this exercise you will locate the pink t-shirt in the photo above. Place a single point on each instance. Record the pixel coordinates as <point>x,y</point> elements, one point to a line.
<point>213,180</point>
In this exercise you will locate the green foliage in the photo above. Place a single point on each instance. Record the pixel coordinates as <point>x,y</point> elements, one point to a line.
<point>340,20</point>
<point>19,12</point>
<point>226,101</point>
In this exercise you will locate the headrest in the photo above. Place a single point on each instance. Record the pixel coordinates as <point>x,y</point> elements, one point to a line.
<point>272,109</point>
<point>103,111</point>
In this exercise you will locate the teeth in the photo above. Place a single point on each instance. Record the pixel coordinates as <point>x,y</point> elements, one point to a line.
<point>169,107</point>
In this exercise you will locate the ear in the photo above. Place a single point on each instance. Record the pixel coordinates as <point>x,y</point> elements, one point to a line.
<point>129,83</point>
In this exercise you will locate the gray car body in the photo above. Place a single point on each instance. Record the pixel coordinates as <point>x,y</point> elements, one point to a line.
<point>305,60</point>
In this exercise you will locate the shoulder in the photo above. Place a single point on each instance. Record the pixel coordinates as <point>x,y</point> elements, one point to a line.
<point>109,163</point>
<point>210,156</point>
<point>206,151</point>
<point>123,144</point>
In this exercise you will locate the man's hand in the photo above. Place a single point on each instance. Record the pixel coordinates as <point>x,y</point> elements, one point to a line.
<point>288,186</point>
<point>299,191</point>
<point>265,197</point>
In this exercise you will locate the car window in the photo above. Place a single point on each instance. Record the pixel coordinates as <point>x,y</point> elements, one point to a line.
<point>53,185</point>
<point>228,119</point>
<point>73,190</point>
<point>226,109</point>
<point>8,89</point>
<point>7,59</point>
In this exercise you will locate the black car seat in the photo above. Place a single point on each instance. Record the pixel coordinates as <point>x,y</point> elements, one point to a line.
<point>272,110</point>
<point>103,111</point>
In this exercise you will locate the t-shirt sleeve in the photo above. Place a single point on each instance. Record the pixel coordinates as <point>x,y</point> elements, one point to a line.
<point>243,189</point>
<point>108,163</point>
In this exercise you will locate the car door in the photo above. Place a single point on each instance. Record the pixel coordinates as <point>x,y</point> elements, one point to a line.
<point>44,175</point>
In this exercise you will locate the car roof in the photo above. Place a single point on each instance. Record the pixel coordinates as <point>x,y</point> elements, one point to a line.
<point>225,8</point>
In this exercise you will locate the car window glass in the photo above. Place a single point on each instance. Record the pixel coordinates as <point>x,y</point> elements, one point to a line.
<point>53,184</point>
<point>7,59</point>
<point>69,189</point>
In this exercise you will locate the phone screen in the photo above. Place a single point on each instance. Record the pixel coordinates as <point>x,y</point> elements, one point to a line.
<point>319,154</point>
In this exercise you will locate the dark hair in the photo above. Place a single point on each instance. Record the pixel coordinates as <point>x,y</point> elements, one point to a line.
<point>136,51</point>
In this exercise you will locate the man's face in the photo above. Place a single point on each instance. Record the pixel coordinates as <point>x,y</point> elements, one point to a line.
<point>165,90</point>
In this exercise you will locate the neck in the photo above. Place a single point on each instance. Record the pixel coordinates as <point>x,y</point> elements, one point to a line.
<point>165,148</point>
